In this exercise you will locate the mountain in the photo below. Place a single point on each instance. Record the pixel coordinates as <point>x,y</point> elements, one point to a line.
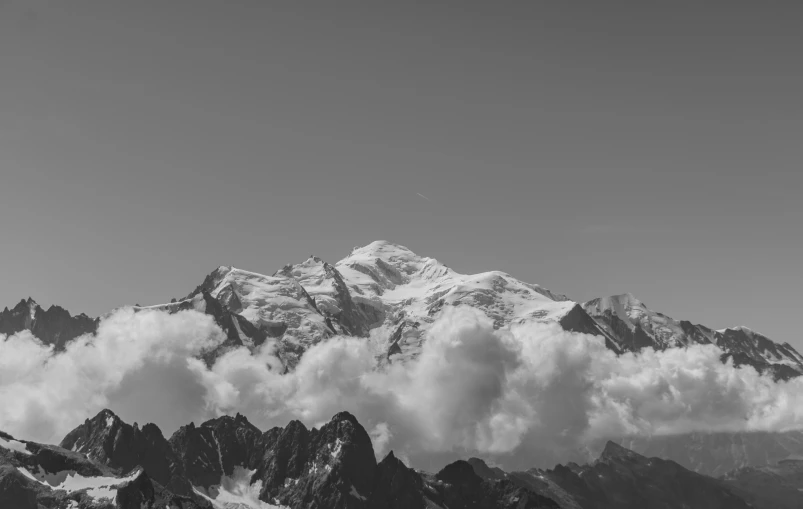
<point>39,476</point>
<point>622,479</point>
<point>53,326</point>
<point>778,486</point>
<point>633,326</point>
<point>239,331</point>
<point>107,440</point>
<point>718,453</point>
<point>391,296</point>
<point>227,463</point>
<point>383,292</point>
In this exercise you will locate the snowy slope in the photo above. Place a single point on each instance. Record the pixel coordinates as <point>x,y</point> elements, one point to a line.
<point>390,295</point>
<point>382,291</point>
<point>276,305</point>
<point>412,290</point>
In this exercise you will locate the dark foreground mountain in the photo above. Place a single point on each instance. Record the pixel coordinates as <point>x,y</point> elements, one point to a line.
<point>778,486</point>
<point>227,463</point>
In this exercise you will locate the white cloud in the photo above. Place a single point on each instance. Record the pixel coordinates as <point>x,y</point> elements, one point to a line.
<point>472,390</point>
<point>43,394</point>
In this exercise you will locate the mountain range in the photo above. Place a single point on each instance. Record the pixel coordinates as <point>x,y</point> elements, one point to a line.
<point>227,463</point>
<point>390,296</point>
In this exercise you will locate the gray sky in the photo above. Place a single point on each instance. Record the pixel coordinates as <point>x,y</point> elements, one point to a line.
<point>592,147</point>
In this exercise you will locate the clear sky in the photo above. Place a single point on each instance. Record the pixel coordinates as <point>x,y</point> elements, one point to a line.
<point>591,147</point>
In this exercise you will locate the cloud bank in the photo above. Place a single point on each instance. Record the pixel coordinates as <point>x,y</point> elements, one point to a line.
<point>134,358</point>
<point>531,390</point>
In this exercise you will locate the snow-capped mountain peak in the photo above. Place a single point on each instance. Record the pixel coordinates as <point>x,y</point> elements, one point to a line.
<point>382,291</point>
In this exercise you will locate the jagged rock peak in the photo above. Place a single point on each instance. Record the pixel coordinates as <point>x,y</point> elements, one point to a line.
<point>459,472</point>
<point>237,420</point>
<point>739,328</point>
<point>615,303</point>
<point>614,451</point>
<point>106,414</point>
<point>344,416</point>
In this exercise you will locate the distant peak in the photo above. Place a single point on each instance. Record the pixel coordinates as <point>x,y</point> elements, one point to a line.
<point>741,328</point>
<point>614,451</point>
<point>620,301</point>
<point>391,459</point>
<point>459,472</point>
<point>313,260</point>
<point>25,303</point>
<point>106,413</point>
<point>387,252</point>
<point>381,245</point>
<point>344,416</point>
<point>625,297</point>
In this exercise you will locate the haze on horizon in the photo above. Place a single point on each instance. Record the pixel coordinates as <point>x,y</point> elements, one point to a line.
<point>591,149</point>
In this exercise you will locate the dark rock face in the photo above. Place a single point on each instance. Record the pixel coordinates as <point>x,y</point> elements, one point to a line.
<point>397,486</point>
<point>577,320</point>
<point>236,438</point>
<point>138,492</point>
<point>355,320</point>
<point>54,326</point>
<point>458,486</point>
<point>15,489</point>
<point>238,330</point>
<point>111,442</point>
<point>197,454</point>
<point>335,467</point>
<point>330,467</point>
<point>347,317</point>
<point>483,470</point>
<point>52,465</point>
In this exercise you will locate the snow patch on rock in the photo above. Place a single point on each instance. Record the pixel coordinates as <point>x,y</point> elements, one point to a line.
<point>14,445</point>
<point>236,492</point>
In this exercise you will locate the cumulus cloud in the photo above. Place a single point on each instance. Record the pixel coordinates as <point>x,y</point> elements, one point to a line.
<point>533,391</point>
<point>137,361</point>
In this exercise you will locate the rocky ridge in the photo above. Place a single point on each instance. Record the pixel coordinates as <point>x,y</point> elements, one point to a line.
<point>634,326</point>
<point>227,463</point>
<point>391,296</point>
<point>53,326</point>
